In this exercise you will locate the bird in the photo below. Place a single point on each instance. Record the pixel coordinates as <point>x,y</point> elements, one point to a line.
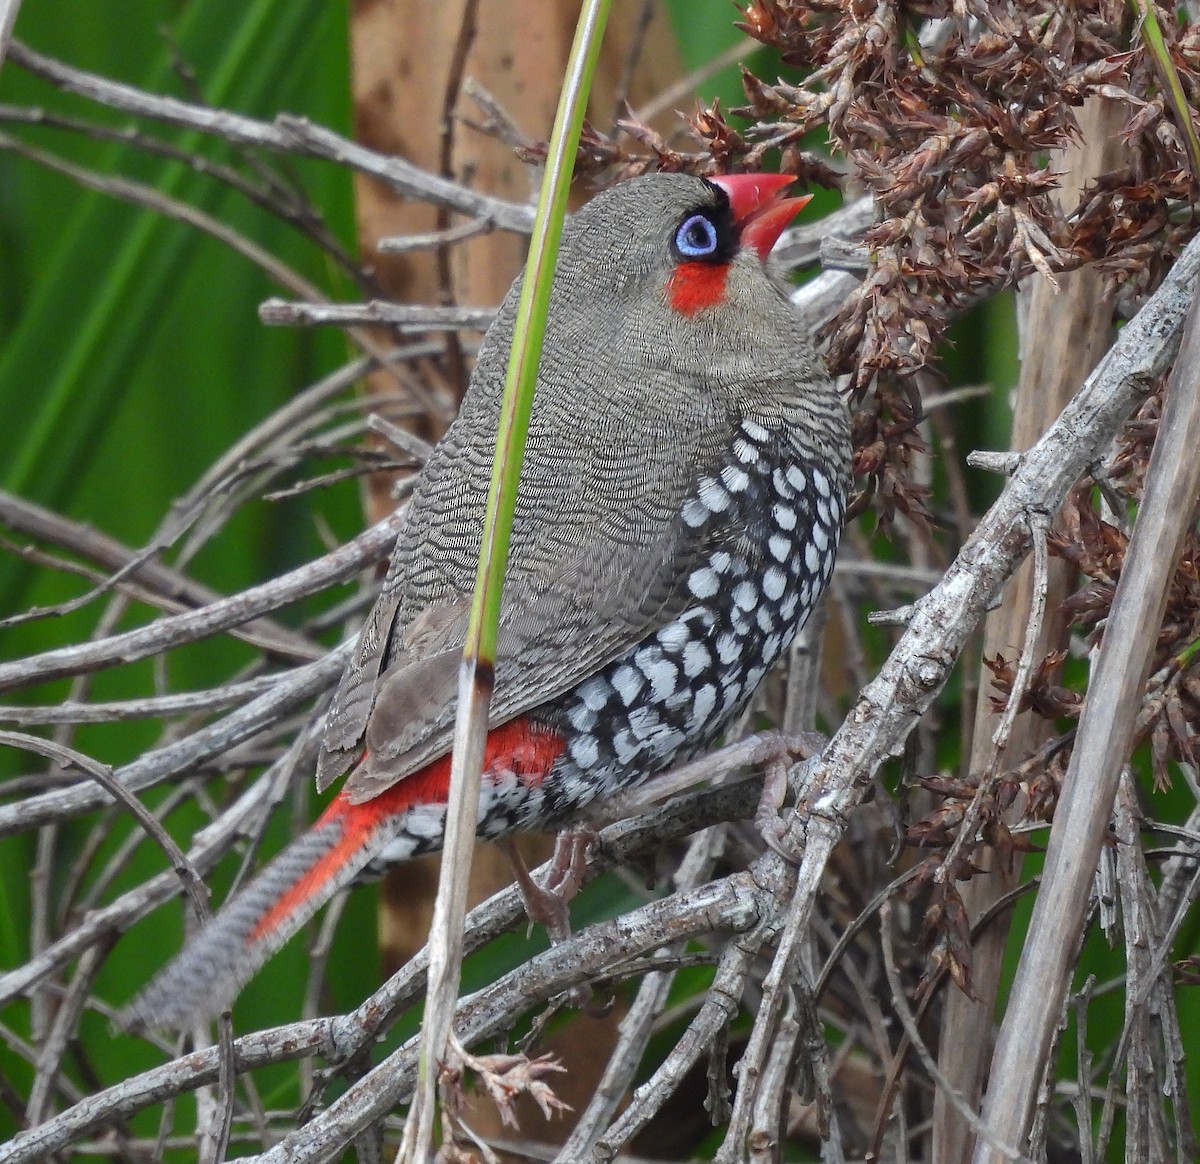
<point>677,518</point>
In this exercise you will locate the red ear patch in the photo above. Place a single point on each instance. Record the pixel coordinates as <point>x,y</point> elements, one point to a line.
<point>694,286</point>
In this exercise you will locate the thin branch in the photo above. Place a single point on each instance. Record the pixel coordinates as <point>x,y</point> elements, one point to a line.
<point>53,1047</point>
<point>236,610</point>
<point>913,1034</point>
<point>736,901</point>
<point>401,316</point>
<point>189,878</point>
<point>720,1007</point>
<point>1104,733</point>
<point>637,1026</point>
<point>31,519</point>
<point>684,90</point>
<point>966,838</point>
<point>208,847</point>
<point>8,17</point>
<point>150,198</point>
<point>273,196</point>
<point>266,712</point>
<point>407,243</point>
<point>286,134</point>
<point>193,886</point>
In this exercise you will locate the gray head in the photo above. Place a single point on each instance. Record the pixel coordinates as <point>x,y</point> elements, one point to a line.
<point>667,272</point>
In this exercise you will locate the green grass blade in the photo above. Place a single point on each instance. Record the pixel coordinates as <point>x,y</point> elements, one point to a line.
<point>529,332</point>
<point>1152,33</point>
<point>74,384</point>
<point>479,651</point>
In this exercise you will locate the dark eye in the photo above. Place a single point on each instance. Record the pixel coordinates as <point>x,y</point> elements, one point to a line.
<point>696,238</point>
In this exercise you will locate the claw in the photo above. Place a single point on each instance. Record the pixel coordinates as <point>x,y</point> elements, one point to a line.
<point>548,904</point>
<point>773,830</point>
<point>775,753</point>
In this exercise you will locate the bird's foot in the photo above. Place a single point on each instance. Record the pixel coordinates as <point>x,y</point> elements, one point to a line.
<point>775,753</point>
<point>548,903</point>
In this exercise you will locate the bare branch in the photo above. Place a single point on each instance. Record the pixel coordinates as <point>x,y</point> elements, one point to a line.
<point>402,316</point>
<point>165,633</point>
<point>263,713</point>
<point>1085,805</point>
<point>286,134</point>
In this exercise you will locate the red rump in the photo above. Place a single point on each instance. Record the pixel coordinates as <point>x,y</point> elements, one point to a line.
<point>695,286</point>
<point>522,747</point>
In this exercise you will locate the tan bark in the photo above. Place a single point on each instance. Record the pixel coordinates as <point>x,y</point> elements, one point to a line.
<point>1064,338</point>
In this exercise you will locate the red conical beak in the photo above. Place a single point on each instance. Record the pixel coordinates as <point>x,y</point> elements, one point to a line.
<point>759,214</point>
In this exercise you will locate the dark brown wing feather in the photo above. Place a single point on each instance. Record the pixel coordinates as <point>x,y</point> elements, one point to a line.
<point>355,692</point>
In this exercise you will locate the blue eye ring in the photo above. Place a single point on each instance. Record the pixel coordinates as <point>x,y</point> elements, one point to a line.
<point>696,237</point>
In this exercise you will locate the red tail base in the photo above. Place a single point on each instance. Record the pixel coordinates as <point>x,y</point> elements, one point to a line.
<point>521,747</point>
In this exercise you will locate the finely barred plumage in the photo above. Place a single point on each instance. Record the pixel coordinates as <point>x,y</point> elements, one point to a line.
<point>677,519</point>
<point>775,523</point>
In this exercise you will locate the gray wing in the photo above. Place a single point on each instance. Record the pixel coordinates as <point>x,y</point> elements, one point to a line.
<point>599,557</point>
<point>554,632</point>
<point>355,692</point>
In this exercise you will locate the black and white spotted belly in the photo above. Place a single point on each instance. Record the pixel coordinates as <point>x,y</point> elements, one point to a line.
<point>779,519</point>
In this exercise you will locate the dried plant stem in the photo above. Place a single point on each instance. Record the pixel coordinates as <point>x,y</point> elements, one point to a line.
<point>913,1035</point>
<point>341,1039</point>
<point>719,1009</point>
<point>165,633</point>
<point>1062,337</point>
<point>966,839</point>
<point>194,890</point>
<point>32,520</point>
<point>8,17</point>
<point>478,669</point>
<point>284,134</point>
<point>290,691</point>
<point>737,900</point>
<point>403,317</point>
<point>1102,743</point>
<point>1150,1041</point>
<point>637,1027</point>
